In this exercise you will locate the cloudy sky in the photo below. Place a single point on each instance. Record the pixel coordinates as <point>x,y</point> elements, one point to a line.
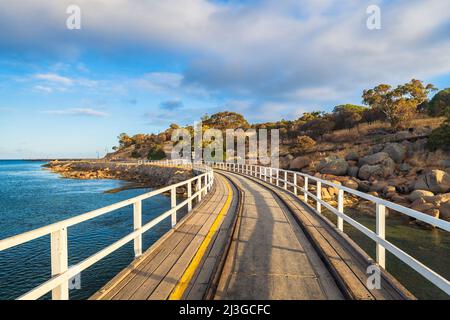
<point>137,66</point>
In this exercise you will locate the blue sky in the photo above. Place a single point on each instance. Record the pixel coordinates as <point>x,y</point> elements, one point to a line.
<point>137,66</point>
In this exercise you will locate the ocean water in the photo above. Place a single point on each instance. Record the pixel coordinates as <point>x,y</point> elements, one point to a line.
<point>32,197</point>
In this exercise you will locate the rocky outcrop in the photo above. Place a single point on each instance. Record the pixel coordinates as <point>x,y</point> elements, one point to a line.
<point>352,156</point>
<point>436,181</point>
<point>352,171</point>
<point>147,175</point>
<point>333,165</point>
<point>445,211</point>
<point>382,170</point>
<point>299,163</point>
<point>373,159</point>
<point>285,161</point>
<point>352,184</point>
<point>416,194</point>
<point>396,151</point>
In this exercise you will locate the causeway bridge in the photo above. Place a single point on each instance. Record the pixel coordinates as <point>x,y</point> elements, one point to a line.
<point>251,232</point>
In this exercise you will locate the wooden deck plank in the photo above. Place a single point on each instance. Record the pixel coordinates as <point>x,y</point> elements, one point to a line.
<point>267,261</point>
<point>203,282</point>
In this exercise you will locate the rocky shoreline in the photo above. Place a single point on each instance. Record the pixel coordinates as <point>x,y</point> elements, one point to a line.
<point>140,176</point>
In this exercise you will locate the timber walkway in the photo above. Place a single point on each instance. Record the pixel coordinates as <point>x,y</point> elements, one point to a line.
<point>251,232</point>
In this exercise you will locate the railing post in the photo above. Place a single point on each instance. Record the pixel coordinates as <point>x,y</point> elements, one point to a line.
<point>340,221</point>
<point>305,191</point>
<point>381,232</point>
<point>265,173</point>
<point>199,188</point>
<point>278,177</point>
<point>173,204</point>
<point>137,223</point>
<point>189,194</point>
<point>319,196</point>
<point>295,183</point>
<point>271,174</point>
<point>285,180</point>
<point>59,262</point>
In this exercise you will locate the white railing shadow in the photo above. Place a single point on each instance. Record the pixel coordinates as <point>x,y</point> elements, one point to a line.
<point>62,273</point>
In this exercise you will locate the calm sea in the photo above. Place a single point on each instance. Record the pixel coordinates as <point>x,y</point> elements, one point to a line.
<point>31,197</point>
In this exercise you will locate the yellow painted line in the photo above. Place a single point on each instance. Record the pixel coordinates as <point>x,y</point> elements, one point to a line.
<point>178,292</point>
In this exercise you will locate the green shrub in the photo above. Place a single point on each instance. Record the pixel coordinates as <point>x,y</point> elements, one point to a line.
<point>440,104</point>
<point>156,153</point>
<point>135,154</point>
<point>303,144</point>
<point>440,137</point>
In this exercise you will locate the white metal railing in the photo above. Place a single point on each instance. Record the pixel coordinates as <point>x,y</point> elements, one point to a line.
<point>280,178</point>
<point>62,272</point>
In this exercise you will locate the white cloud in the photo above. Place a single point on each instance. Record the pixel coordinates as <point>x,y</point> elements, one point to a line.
<point>78,112</point>
<point>43,89</point>
<point>159,82</point>
<point>54,78</point>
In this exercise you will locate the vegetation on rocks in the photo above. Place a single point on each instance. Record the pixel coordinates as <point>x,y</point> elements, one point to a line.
<point>440,137</point>
<point>398,104</point>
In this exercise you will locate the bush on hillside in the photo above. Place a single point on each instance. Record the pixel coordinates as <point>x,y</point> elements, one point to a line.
<point>347,116</point>
<point>440,104</point>
<point>135,154</point>
<point>303,144</point>
<point>440,137</point>
<point>156,153</point>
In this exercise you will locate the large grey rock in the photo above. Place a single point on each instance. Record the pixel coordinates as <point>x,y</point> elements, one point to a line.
<point>423,207</point>
<point>352,184</point>
<point>299,163</point>
<point>445,197</point>
<point>436,181</point>
<point>364,186</point>
<point>396,151</point>
<point>405,167</point>
<point>352,156</point>
<point>445,211</point>
<point>417,194</point>
<point>373,159</point>
<point>367,208</point>
<point>333,165</point>
<point>377,148</point>
<point>445,163</point>
<point>381,170</point>
<point>285,161</point>
<point>419,145</point>
<point>352,171</point>
<point>378,186</point>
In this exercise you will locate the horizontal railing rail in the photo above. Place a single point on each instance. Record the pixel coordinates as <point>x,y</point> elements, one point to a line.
<point>280,178</point>
<point>60,270</point>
